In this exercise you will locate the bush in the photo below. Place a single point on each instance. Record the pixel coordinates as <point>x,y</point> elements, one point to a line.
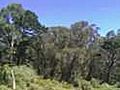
<point>27,79</point>
<point>95,83</point>
<point>84,85</point>
<point>118,85</point>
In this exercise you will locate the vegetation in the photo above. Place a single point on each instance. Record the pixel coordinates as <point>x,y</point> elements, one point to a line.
<point>29,80</point>
<point>36,57</point>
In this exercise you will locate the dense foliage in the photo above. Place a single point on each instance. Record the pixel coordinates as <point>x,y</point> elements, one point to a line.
<point>77,55</point>
<point>27,79</point>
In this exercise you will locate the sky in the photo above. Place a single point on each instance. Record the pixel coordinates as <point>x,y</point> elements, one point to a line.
<point>104,13</point>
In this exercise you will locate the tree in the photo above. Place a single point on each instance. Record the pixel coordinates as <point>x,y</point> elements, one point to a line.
<point>84,34</point>
<point>18,26</point>
<point>110,46</point>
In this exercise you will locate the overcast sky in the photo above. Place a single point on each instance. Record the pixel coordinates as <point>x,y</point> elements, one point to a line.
<point>104,13</point>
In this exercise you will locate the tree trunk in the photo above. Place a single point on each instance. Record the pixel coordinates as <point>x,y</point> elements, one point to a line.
<point>13,80</point>
<point>109,68</point>
<point>90,71</point>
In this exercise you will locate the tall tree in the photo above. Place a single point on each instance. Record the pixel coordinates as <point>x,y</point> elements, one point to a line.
<point>18,26</point>
<point>111,47</point>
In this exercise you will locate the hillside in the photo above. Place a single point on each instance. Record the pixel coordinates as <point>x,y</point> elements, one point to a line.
<point>36,57</point>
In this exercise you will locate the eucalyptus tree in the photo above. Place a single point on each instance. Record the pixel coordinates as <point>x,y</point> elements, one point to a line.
<point>111,49</point>
<point>84,34</point>
<point>18,26</point>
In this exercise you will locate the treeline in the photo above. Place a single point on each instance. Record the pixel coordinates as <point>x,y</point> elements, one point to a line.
<point>61,53</point>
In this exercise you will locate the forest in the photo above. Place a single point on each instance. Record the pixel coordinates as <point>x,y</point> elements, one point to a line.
<point>36,57</point>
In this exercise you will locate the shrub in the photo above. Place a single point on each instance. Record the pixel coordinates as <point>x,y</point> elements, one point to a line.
<point>95,83</point>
